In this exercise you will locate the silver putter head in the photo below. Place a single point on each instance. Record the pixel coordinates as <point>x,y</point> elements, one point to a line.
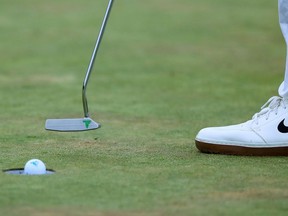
<point>71,125</point>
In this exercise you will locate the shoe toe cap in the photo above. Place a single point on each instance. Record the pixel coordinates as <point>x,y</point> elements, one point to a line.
<point>229,135</point>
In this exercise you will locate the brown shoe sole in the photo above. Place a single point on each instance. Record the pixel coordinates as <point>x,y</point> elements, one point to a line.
<point>240,150</point>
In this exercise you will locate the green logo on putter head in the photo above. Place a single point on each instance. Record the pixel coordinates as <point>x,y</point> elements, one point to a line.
<point>87,122</point>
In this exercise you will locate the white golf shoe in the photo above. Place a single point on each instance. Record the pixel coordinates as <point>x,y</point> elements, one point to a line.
<point>266,134</point>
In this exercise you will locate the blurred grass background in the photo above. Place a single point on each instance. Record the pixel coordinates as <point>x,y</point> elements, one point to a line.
<point>165,70</point>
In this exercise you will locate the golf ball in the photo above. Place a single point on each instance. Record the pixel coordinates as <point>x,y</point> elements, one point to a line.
<point>35,167</point>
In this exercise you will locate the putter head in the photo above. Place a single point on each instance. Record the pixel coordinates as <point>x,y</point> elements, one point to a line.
<point>71,125</point>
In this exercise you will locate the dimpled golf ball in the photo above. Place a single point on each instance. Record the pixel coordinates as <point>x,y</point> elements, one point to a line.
<point>35,167</point>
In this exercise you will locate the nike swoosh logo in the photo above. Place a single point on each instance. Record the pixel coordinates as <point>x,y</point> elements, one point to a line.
<point>282,128</point>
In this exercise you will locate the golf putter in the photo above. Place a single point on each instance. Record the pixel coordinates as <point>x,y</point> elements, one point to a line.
<point>86,123</point>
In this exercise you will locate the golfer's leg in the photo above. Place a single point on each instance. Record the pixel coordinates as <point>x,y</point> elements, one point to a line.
<point>267,132</point>
<point>283,19</point>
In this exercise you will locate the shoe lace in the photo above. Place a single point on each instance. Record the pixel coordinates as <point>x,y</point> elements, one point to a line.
<point>271,106</point>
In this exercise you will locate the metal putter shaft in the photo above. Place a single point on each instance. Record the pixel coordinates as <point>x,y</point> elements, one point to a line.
<point>86,123</point>
<point>93,57</point>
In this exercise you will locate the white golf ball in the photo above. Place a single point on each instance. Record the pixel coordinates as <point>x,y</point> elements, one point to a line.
<point>35,167</point>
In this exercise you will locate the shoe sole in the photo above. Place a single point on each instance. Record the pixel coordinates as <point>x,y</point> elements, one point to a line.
<point>240,150</point>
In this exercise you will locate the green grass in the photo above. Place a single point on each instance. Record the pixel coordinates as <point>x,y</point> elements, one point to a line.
<point>165,70</point>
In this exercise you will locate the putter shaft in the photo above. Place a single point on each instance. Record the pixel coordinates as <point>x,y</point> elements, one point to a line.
<point>93,57</point>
